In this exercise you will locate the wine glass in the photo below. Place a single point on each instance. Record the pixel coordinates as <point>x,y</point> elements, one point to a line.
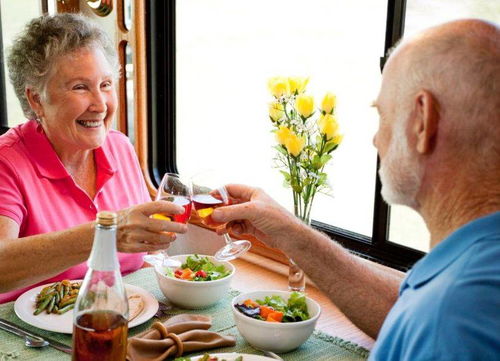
<point>208,194</point>
<point>173,188</point>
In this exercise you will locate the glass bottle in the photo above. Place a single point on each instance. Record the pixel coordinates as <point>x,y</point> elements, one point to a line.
<point>100,316</point>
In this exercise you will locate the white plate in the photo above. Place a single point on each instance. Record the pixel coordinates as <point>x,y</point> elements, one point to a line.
<point>232,356</point>
<point>25,306</point>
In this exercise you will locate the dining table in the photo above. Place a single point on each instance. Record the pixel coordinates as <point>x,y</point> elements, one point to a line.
<point>335,337</point>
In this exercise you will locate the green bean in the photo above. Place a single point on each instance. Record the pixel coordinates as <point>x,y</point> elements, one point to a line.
<point>65,309</point>
<point>42,305</point>
<point>67,301</point>
<point>51,304</point>
<point>57,298</point>
<point>45,290</point>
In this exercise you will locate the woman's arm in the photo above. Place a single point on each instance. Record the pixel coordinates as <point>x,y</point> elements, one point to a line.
<point>28,260</point>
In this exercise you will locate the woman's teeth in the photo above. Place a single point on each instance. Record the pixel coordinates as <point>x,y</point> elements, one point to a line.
<point>89,123</point>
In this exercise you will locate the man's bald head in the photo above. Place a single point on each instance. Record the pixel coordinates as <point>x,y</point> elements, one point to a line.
<point>459,64</point>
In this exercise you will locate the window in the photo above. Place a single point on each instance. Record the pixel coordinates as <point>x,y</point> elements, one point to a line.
<point>14,15</point>
<point>209,74</point>
<point>227,50</point>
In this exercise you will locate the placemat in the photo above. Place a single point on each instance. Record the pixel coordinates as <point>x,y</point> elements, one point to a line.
<point>319,346</point>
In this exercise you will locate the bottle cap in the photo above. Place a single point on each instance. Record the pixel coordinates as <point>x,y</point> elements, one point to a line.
<point>106,218</point>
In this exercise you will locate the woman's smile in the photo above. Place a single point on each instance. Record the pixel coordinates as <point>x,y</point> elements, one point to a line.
<point>91,124</point>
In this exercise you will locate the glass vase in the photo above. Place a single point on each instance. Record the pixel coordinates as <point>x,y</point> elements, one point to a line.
<point>296,276</point>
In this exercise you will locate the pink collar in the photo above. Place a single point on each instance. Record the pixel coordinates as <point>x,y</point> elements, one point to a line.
<point>48,164</point>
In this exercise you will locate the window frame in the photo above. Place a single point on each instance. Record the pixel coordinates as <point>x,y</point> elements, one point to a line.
<point>161,29</point>
<point>4,125</point>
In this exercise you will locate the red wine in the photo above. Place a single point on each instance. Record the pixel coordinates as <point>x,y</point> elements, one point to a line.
<point>100,335</point>
<point>181,201</point>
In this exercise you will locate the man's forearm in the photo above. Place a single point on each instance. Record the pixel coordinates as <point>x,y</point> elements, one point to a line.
<point>363,292</point>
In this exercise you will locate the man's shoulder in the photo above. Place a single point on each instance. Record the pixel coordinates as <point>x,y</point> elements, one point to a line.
<point>465,304</point>
<point>453,315</point>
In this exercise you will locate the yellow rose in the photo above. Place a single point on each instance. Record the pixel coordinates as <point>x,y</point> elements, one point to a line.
<point>328,103</point>
<point>282,134</point>
<point>297,85</point>
<point>295,144</point>
<point>328,125</point>
<point>338,139</point>
<point>278,86</point>
<point>276,111</point>
<point>304,105</point>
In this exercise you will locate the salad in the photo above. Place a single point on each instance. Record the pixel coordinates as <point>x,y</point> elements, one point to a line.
<point>207,357</point>
<point>198,269</point>
<point>276,309</point>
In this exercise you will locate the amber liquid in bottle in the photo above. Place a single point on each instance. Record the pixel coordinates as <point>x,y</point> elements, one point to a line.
<point>100,316</point>
<point>100,335</point>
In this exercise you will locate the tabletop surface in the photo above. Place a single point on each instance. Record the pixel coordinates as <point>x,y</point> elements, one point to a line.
<point>334,339</point>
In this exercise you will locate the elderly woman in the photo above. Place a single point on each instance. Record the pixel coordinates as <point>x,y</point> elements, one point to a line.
<point>63,165</point>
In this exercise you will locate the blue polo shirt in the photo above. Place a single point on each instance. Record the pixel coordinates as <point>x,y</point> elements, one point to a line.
<point>449,303</point>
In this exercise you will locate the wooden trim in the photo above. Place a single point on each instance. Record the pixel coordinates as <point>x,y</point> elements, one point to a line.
<point>122,123</point>
<point>68,6</point>
<point>140,91</point>
<point>136,39</point>
<point>120,17</point>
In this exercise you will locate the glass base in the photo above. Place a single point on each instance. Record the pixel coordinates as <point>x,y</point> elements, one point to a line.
<point>233,250</point>
<point>161,261</point>
<point>296,277</point>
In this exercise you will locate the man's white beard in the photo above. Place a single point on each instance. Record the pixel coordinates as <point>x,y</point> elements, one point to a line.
<point>400,173</point>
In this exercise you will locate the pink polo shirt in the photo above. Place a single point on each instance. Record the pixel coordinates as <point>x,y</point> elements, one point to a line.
<point>39,194</point>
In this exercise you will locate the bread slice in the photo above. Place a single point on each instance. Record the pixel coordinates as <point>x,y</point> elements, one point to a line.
<point>135,306</point>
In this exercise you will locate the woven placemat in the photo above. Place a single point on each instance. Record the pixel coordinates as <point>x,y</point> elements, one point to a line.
<point>319,346</point>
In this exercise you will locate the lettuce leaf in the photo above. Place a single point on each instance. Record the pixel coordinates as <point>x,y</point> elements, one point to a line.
<point>197,263</point>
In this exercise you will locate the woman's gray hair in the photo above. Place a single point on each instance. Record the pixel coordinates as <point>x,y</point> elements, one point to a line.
<point>43,40</point>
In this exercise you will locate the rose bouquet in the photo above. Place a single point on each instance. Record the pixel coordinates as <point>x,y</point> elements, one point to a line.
<point>305,145</point>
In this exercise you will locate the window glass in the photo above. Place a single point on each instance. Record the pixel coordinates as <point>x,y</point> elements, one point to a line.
<point>127,9</point>
<point>226,52</point>
<point>129,85</point>
<point>407,227</point>
<point>15,14</point>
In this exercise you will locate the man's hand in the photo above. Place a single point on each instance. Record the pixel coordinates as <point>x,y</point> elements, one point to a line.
<point>256,214</point>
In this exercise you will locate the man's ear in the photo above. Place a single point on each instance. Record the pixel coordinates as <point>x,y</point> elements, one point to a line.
<point>34,101</point>
<point>426,121</point>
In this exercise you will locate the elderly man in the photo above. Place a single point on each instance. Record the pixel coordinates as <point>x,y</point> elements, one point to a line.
<point>439,145</point>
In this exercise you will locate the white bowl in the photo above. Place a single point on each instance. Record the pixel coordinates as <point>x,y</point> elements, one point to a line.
<point>194,295</point>
<point>274,336</point>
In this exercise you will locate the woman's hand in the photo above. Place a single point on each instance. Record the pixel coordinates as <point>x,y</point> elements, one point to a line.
<point>138,232</point>
<point>257,214</point>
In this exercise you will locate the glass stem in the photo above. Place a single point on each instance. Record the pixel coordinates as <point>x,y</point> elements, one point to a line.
<point>227,239</point>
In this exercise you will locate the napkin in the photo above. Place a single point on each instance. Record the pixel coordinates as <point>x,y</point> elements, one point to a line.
<point>179,334</point>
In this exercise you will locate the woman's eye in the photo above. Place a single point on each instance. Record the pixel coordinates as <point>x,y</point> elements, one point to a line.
<point>79,87</point>
<point>106,84</point>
